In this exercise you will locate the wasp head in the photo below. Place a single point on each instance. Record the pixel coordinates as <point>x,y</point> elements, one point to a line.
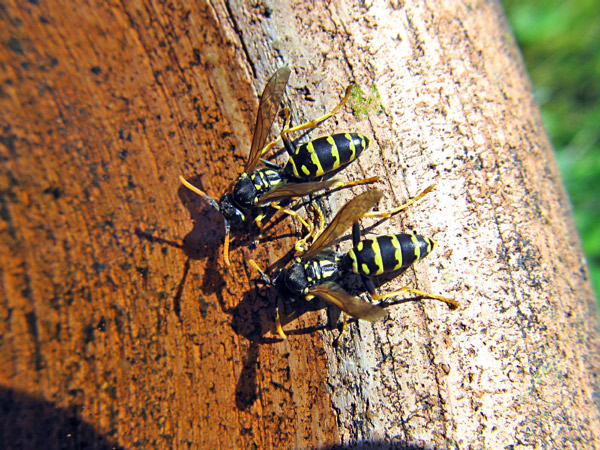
<point>295,279</point>
<point>230,211</point>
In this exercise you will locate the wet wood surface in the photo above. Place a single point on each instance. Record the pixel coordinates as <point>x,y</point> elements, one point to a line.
<point>120,324</point>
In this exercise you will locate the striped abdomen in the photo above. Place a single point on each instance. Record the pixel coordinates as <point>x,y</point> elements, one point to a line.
<point>325,154</point>
<point>382,254</point>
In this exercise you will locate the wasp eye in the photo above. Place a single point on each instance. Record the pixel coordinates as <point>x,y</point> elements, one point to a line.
<point>230,211</point>
<point>295,279</point>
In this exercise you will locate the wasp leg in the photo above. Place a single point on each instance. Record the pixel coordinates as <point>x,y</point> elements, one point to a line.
<point>270,164</point>
<point>344,324</point>
<point>336,341</point>
<point>391,212</point>
<point>345,184</point>
<point>355,234</point>
<point>268,281</point>
<point>308,225</point>
<point>259,224</point>
<point>258,220</point>
<point>321,217</point>
<point>278,326</point>
<point>315,123</point>
<point>450,302</point>
<point>270,145</point>
<point>311,123</point>
<point>301,244</point>
<point>369,285</point>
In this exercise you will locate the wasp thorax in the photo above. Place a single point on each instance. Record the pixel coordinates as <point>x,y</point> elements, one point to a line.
<point>231,213</point>
<point>295,279</point>
<point>244,191</point>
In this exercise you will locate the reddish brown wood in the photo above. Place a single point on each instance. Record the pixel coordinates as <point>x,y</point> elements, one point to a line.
<point>120,325</point>
<point>114,300</point>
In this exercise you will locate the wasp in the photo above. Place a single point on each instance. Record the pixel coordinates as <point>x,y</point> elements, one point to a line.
<point>316,273</point>
<point>307,164</point>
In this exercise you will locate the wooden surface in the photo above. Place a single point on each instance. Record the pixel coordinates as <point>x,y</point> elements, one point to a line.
<point>120,325</point>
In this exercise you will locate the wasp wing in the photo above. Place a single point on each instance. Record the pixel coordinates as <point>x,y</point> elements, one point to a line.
<point>291,190</point>
<point>270,101</point>
<point>353,306</point>
<point>350,213</point>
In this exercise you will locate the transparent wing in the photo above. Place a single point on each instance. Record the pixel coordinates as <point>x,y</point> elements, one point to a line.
<point>291,190</point>
<point>270,100</point>
<point>350,213</point>
<point>353,306</point>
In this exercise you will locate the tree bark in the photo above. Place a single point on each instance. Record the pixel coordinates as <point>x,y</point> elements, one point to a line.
<point>122,327</point>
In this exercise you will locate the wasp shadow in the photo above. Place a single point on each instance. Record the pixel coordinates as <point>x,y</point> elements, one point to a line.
<point>380,445</point>
<point>203,241</point>
<point>32,423</point>
<point>254,318</point>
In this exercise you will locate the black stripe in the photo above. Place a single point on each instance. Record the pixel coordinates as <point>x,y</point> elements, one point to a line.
<point>409,248</point>
<point>302,158</point>
<point>388,253</point>
<point>344,146</point>
<point>366,256</point>
<point>325,155</point>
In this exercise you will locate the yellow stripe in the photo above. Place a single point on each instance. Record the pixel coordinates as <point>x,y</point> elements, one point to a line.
<point>365,269</point>
<point>305,170</point>
<point>261,177</point>
<point>432,245</point>
<point>415,241</point>
<point>328,273</point>
<point>294,168</point>
<point>397,252</point>
<point>377,253</point>
<point>334,151</point>
<point>315,159</point>
<point>352,256</point>
<point>351,146</point>
<point>360,246</point>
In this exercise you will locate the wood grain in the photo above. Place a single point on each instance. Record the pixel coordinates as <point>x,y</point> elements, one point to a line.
<point>120,325</point>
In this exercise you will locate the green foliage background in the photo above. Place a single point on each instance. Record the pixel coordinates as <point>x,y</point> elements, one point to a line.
<point>560,41</point>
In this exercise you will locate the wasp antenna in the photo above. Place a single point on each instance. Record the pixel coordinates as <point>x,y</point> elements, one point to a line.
<point>226,244</point>
<point>193,188</point>
<point>263,275</point>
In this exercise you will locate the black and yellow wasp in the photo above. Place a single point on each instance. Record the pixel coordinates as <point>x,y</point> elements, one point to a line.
<point>316,273</point>
<point>307,164</point>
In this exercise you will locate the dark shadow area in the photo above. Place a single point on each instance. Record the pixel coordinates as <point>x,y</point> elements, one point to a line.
<point>30,423</point>
<point>254,319</point>
<point>204,243</point>
<point>380,445</point>
<point>208,234</point>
